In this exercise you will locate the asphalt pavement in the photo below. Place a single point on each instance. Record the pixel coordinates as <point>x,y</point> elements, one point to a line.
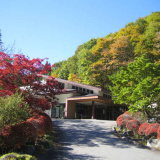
<point>94,140</point>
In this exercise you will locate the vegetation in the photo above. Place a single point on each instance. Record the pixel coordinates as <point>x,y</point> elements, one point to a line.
<point>16,156</point>
<point>13,110</point>
<point>127,62</point>
<point>19,73</point>
<point>23,98</point>
<point>131,128</point>
<point>138,86</point>
<point>96,59</point>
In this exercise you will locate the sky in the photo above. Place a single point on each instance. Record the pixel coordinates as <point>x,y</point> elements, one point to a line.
<point>54,29</point>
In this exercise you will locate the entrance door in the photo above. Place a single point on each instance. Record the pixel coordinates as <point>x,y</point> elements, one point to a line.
<point>57,111</point>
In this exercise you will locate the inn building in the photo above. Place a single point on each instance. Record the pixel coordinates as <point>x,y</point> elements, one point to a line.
<point>81,101</point>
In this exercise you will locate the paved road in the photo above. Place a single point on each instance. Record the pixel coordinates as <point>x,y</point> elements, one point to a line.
<point>94,140</point>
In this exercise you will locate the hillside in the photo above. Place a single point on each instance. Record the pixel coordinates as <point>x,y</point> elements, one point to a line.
<point>94,60</point>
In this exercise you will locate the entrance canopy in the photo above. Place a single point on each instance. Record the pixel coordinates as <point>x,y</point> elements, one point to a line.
<point>91,100</point>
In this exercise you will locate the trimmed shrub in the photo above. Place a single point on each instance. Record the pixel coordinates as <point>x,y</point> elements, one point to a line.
<point>142,128</point>
<point>16,156</point>
<point>124,122</point>
<point>47,119</point>
<point>123,117</point>
<point>41,123</point>
<point>37,124</point>
<point>127,113</point>
<point>13,137</point>
<point>152,129</point>
<point>133,125</point>
<point>158,133</point>
<point>140,117</point>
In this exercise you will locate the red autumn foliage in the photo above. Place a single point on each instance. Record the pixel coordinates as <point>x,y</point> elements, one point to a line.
<point>124,122</point>
<point>41,123</point>
<point>158,133</point>
<point>142,128</point>
<point>123,117</point>
<point>5,93</point>
<point>38,124</point>
<point>12,137</point>
<point>16,136</point>
<point>18,71</point>
<point>152,129</point>
<point>38,112</point>
<point>133,125</point>
<point>127,113</point>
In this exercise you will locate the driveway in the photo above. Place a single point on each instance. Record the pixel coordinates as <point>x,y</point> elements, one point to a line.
<point>94,140</point>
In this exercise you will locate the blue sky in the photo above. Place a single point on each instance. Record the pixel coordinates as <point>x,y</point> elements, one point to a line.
<point>55,28</point>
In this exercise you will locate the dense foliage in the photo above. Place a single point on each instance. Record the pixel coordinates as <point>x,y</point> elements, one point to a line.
<point>133,125</point>
<point>127,62</point>
<point>19,72</point>
<point>138,86</point>
<point>123,119</point>
<point>23,94</point>
<point>13,110</point>
<point>14,136</point>
<point>152,129</point>
<point>96,59</point>
<point>26,132</point>
<point>142,128</point>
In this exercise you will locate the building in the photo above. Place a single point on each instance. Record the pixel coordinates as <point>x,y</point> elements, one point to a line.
<point>81,101</point>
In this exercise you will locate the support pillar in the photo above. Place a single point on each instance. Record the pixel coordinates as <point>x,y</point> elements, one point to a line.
<point>93,110</point>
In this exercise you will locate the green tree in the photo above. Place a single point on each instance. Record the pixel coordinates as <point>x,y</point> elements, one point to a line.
<point>64,72</point>
<point>13,110</point>
<point>138,86</point>
<point>85,59</point>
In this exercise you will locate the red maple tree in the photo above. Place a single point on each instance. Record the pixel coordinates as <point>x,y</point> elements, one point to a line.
<point>19,71</point>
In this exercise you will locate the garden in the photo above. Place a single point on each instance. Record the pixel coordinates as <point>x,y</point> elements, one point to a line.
<point>25,128</point>
<point>136,129</point>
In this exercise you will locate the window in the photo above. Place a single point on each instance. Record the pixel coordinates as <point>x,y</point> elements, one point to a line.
<point>73,87</point>
<point>61,85</point>
<point>91,91</point>
<point>84,90</point>
<point>107,96</point>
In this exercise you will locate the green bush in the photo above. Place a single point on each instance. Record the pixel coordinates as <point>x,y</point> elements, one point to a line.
<point>15,156</point>
<point>13,110</point>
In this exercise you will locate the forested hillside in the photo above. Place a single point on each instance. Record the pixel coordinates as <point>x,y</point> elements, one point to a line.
<point>96,59</point>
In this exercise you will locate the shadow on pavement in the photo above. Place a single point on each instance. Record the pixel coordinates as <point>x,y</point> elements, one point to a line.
<point>82,133</point>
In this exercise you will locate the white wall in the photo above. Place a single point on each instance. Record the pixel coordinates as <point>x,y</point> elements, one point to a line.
<point>62,97</point>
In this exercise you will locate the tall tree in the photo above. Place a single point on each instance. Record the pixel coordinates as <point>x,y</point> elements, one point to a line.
<point>19,71</point>
<point>138,86</point>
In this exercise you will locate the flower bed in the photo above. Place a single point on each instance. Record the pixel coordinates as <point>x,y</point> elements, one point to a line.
<point>136,131</point>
